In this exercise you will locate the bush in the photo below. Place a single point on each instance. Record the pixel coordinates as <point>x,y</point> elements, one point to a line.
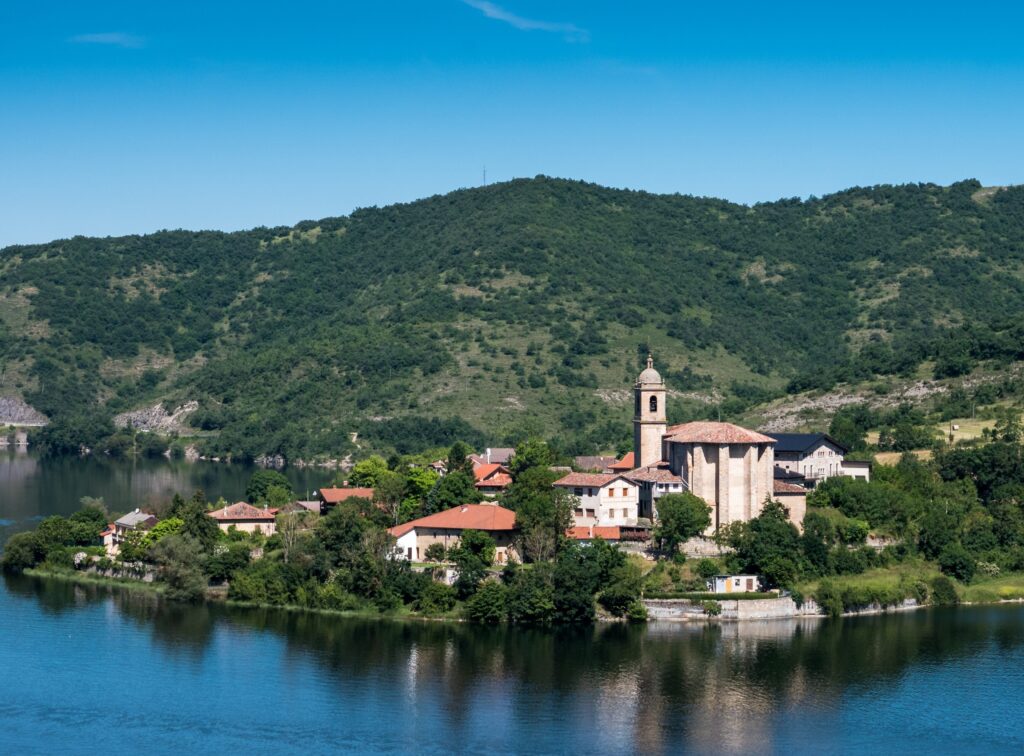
<point>437,598</point>
<point>331,596</point>
<point>436,552</point>
<point>23,550</point>
<point>487,606</point>
<point>956,561</point>
<point>637,612</point>
<point>707,568</point>
<point>711,608</point>
<point>943,591</point>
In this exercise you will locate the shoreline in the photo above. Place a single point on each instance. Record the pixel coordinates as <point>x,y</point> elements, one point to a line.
<point>216,595</point>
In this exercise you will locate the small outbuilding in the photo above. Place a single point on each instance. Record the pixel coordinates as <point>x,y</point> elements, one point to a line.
<point>734,584</point>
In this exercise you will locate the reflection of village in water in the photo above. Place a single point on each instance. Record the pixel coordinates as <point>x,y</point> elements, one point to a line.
<point>659,687</point>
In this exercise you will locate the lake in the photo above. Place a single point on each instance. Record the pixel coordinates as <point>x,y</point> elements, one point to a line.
<point>92,668</point>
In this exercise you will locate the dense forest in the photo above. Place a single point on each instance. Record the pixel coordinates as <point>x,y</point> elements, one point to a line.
<point>496,313</point>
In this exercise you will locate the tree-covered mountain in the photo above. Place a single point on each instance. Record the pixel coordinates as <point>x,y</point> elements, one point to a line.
<point>513,309</point>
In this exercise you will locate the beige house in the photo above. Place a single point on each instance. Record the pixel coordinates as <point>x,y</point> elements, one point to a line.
<point>606,499</point>
<point>245,517</point>
<point>412,539</point>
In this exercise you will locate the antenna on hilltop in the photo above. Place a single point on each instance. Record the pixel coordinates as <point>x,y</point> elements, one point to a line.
<point>485,175</point>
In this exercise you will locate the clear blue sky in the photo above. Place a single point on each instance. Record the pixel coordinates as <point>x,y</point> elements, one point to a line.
<point>124,117</point>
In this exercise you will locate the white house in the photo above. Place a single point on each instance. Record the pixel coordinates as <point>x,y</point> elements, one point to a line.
<point>734,584</point>
<point>605,498</point>
<point>815,457</point>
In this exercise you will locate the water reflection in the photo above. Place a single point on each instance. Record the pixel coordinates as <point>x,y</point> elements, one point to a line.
<point>707,687</point>
<point>34,486</point>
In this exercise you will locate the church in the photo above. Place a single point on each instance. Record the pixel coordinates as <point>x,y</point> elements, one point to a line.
<point>730,467</point>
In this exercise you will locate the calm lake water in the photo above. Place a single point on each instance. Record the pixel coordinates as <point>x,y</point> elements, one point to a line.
<point>116,671</point>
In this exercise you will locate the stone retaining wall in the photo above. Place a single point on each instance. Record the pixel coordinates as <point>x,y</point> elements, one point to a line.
<point>683,610</point>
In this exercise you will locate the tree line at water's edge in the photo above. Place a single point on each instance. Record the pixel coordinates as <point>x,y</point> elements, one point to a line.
<point>943,529</point>
<point>494,314</point>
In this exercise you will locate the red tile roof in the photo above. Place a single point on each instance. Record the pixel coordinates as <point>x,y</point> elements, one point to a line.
<point>626,463</point>
<point>336,495</point>
<point>659,473</point>
<point>781,486</point>
<point>590,480</point>
<point>498,480</point>
<point>715,433</point>
<point>466,517</point>
<point>482,472</point>
<point>241,511</point>
<point>586,532</point>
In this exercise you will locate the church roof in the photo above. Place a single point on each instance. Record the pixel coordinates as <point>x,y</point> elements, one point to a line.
<point>704,432</point>
<point>649,376</point>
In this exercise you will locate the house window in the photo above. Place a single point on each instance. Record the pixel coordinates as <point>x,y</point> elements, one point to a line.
<point>578,491</point>
<point>590,513</point>
<point>590,492</point>
<point>578,511</point>
<point>611,492</point>
<point>625,492</point>
<point>654,404</point>
<point>625,513</point>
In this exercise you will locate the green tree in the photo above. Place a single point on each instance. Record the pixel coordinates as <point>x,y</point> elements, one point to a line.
<point>543,512</point>
<point>488,605</point>
<point>458,459</point>
<point>21,552</point>
<point>472,556</point>
<point>530,597</point>
<point>389,491</point>
<point>530,453</point>
<point>196,522</point>
<point>178,559</point>
<point>368,472</point>
<point>957,562</point>
<point>454,489</point>
<point>680,517</point>
<point>258,488</point>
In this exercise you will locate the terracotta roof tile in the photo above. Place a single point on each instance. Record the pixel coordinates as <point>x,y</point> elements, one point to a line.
<point>482,472</point>
<point>337,495</point>
<point>704,432</point>
<point>586,532</point>
<point>654,474</point>
<point>466,517</point>
<point>241,511</point>
<point>498,480</point>
<point>626,463</point>
<point>590,480</point>
<point>781,486</point>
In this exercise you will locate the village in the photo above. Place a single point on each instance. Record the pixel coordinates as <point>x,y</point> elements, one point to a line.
<point>733,470</point>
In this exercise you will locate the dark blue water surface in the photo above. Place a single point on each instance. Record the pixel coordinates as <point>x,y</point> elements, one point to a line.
<point>107,670</point>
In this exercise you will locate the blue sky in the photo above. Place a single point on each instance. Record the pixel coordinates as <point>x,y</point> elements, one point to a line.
<point>127,117</point>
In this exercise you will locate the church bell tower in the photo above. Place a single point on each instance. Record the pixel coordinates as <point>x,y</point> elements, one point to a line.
<point>649,417</point>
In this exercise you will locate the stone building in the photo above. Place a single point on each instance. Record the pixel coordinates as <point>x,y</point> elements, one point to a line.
<point>730,467</point>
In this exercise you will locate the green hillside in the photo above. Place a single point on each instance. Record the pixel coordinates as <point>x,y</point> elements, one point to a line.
<point>514,309</point>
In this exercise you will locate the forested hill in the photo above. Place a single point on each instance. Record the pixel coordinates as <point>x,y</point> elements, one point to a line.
<point>513,309</point>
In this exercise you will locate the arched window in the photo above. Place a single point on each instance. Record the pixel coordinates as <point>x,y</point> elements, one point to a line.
<point>654,404</point>
<point>638,404</point>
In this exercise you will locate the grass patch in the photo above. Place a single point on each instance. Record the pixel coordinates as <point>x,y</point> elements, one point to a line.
<point>990,591</point>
